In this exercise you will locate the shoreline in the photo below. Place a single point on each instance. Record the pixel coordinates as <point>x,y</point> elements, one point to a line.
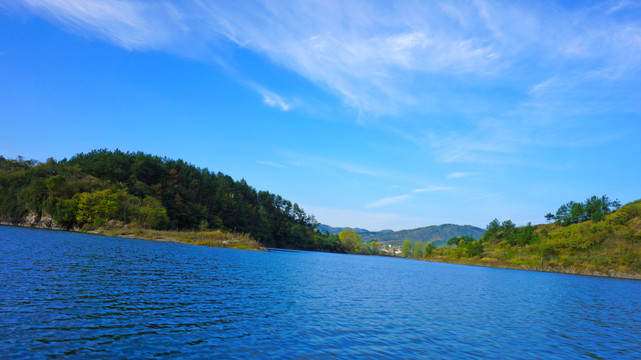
<point>610,273</point>
<point>243,242</point>
<point>213,238</point>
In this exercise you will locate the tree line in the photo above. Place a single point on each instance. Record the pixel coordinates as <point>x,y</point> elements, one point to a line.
<point>353,243</point>
<point>139,189</point>
<point>594,208</point>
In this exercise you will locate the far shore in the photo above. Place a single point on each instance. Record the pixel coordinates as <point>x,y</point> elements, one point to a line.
<point>217,238</point>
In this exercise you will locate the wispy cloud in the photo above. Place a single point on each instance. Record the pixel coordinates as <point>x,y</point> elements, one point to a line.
<point>379,58</point>
<point>387,201</point>
<point>543,86</point>
<point>130,24</point>
<point>456,175</point>
<point>334,164</point>
<point>432,188</point>
<point>400,198</point>
<point>272,99</point>
<point>272,164</point>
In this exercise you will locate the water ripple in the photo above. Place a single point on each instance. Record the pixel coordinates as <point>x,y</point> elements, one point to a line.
<point>81,296</point>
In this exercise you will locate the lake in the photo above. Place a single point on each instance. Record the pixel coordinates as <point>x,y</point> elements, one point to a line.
<point>72,295</point>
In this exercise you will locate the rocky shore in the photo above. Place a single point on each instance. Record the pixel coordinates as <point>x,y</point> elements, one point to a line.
<point>32,220</point>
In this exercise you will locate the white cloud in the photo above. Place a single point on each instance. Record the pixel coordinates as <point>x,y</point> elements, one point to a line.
<point>272,164</point>
<point>432,188</point>
<point>379,58</point>
<point>328,163</point>
<point>274,100</point>
<point>541,87</point>
<point>131,25</point>
<point>400,198</point>
<point>387,201</point>
<point>456,175</point>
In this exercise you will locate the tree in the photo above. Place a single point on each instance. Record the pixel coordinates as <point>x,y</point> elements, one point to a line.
<point>492,229</point>
<point>594,208</point>
<point>188,196</point>
<point>525,235</point>
<point>460,240</point>
<point>597,216</point>
<point>96,207</point>
<point>563,213</point>
<point>429,248</point>
<point>507,225</point>
<point>350,240</point>
<point>374,248</point>
<point>406,248</point>
<point>549,217</point>
<point>577,213</point>
<point>152,214</point>
<point>474,248</point>
<point>419,250</point>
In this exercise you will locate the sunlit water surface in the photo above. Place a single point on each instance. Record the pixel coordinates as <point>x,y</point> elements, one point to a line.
<point>70,295</point>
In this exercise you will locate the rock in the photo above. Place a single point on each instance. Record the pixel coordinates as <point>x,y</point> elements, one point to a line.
<point>44,221</point>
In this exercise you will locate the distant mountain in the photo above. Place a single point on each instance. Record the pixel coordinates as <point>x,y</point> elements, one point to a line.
<point>436,234</point>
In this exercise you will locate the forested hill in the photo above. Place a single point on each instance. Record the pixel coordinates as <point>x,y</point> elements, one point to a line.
<point>437,234</point>
<point>103,186</point>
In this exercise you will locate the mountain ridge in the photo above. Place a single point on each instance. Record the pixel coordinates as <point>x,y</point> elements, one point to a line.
<point>437,234</point>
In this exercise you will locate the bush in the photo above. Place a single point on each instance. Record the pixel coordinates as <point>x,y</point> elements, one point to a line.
<point>620,217</point>
<point>631,260</point>
<point>474,248</point>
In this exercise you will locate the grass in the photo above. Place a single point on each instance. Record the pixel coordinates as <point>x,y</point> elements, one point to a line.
<point>610,247</point>
<point>216,238</point>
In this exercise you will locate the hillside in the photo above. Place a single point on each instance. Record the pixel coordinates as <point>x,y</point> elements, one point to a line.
<point>437,234</point>
<point>125,189</point>
<point>605,245</point>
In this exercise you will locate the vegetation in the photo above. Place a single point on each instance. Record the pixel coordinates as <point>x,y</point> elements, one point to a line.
<point>594,208</point>
<point>437,234</point>
<point>352,243</point>
<point>608,243</point>
<point>143,191</point>
<point>215,238</point>
<point>135,194</point>
<point>416,249</point>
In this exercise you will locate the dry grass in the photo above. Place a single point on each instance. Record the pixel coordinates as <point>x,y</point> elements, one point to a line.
<point>611,247</point>
<point>214,238</point>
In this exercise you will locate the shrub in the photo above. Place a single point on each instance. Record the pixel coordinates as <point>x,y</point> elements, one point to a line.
<point>620,217</point>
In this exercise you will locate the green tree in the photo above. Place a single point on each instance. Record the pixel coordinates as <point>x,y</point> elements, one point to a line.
<point>187,194</point>
<point>419,250</point>
<point>507,225</point>
<point>406,248</point>
<point>460,240</point>
<point>350,240</point>
<point>474,248</point>
<point>95,208</point>
<point>525,235</point>
<point>429,248</point>
<point>597,216</point>
<point>152,214</point>
<point>374,247</point>
<point>577,212</point>
<point>594,208</point>
<point>491,230</point>
<point>34,195</point>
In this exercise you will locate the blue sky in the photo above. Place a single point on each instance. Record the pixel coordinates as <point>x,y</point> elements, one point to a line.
<point>380,115</point>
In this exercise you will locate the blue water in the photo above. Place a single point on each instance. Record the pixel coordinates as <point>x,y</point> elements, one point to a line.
<point>69,295</point>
